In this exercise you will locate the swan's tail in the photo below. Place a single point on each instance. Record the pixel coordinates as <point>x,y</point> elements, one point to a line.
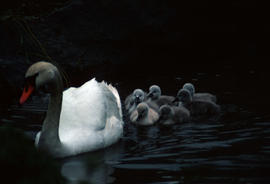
<point>116,94</point>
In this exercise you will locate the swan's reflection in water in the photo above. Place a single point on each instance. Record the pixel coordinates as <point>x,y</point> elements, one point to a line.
<point>94,167</point>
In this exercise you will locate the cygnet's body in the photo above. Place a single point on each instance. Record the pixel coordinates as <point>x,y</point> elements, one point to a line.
<point>144,115</point>
<point>197,107</point>
<point>199,96</point>
<point>173,114</point>
<point>155,96</point>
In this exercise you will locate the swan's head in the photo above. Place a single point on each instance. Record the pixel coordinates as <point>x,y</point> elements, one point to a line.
<point>138,96</point>
<point>154,92</point>
<point>184,96</point>
<point>189,87</point>
<point>166,112</point>
<point>42,76</point>
<point>142,109</point>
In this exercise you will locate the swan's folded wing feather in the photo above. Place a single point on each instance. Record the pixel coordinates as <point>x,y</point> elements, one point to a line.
<point>90,109</point>
<point>83,107</point>
<point>113,91</point>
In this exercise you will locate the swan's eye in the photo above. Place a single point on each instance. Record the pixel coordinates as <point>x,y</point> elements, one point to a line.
<point>45,88</point>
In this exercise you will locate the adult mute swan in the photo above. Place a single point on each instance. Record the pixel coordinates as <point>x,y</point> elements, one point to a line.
<point>78,120</point>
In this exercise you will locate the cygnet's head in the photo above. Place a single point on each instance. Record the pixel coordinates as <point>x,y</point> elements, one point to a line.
<point>189,87</point>
<point>138,96</point>
<point>41,76</point>
<point>184,96</point>
<point>166,112</point>
<point>154,92</point>
<point>142,109</point>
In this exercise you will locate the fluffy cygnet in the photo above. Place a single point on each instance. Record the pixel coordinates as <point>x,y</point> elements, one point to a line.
<point>155,96</point>
<point>197,107</point>
<point>173,114</point>
<point>199,96</point>
<point>132,100</point>
<point>144,115</point>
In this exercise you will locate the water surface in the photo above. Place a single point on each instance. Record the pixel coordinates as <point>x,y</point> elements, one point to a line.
<point>233,148</point>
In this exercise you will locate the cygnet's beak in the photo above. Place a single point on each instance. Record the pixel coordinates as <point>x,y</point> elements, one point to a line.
<point>150,94</point>
<point>137,99</point>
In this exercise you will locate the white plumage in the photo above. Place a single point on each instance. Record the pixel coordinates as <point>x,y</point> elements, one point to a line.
<point>78,120</point>
<point>85,120</point>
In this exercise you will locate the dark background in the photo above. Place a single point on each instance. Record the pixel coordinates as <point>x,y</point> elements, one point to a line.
<point>219,45</point>
<point>139,41</point>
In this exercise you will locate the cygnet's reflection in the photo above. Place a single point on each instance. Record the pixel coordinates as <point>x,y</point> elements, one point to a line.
<point>93,167</point>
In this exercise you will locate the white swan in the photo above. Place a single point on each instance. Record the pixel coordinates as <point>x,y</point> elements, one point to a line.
<point>78,120</point>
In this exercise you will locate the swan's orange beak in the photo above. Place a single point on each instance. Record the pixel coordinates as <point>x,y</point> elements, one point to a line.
<point>26,93</point>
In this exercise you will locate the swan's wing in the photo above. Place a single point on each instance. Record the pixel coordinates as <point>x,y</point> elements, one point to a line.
<point>87,111</point>
<point>83,108</point>
<point>112,98</point>
<point>116,95</point>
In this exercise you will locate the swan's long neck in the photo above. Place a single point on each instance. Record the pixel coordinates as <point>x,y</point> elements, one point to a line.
<point>49,138</point>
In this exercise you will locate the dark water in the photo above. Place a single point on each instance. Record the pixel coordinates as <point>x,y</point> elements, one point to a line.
<point>233,148</point>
